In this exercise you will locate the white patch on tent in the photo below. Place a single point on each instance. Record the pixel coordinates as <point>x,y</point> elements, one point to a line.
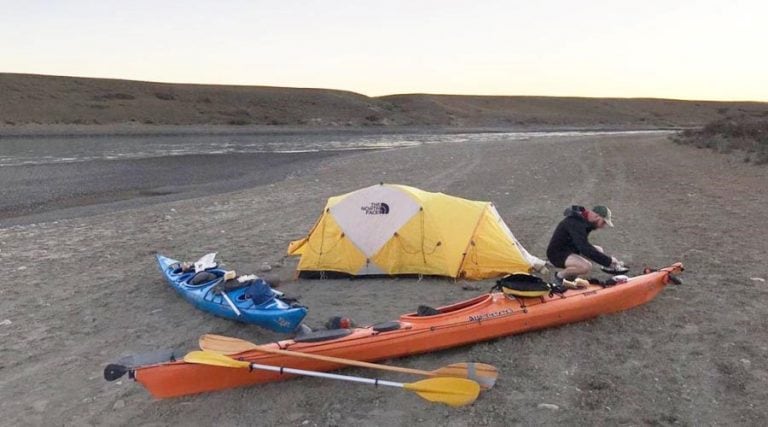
<point>371,216</point>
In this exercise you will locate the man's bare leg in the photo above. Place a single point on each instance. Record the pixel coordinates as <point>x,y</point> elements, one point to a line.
<point>575,265</point>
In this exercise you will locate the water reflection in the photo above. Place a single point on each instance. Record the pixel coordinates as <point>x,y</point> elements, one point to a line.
<point>47,150</point>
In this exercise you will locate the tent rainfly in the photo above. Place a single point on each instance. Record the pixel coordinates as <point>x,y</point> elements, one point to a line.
<point>395,229</point>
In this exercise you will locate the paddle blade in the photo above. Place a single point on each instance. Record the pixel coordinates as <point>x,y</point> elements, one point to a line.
<point>482,373</point>
<point>451,391</point>
<point>224,345</point>
<point>214,359</point>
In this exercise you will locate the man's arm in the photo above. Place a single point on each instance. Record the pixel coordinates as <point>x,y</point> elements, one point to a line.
<point>579,236</point>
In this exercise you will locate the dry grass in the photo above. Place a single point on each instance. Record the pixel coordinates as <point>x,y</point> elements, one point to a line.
<point>747,135</point>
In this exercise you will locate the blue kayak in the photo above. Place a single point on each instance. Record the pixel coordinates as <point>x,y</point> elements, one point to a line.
<point>256,302</point>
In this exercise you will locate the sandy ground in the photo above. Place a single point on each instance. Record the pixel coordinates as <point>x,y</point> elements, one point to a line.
<point>80,293</point>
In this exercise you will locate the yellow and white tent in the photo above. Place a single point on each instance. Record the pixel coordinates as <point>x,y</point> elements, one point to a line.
<point>396,229</point>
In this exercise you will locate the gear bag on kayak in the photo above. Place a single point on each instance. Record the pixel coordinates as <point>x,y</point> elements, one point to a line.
<point>523,285</point>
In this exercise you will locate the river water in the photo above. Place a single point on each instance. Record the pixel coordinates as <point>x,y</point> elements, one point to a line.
<point>15,151</point>
<point>46,178</point>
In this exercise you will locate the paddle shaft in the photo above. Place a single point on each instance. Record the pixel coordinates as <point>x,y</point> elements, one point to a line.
<point>229,301</point>
<point>223,293</point>
<point>282,370</point>
<point>485,375</point>
<point>340,361</point>
<point>451,391</point>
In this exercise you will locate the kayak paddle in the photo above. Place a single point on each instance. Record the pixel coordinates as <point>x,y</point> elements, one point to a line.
<point>229,275</point>
<point>483,374</point>
<point>451,391</point>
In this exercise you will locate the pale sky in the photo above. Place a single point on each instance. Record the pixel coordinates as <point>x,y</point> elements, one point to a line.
<point>714,50</point>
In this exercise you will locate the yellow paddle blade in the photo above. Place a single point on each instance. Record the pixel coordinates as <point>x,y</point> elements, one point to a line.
<point>214,359</point>
<point>482,373</point>
<point>225,345</point>
<point>451,391</point>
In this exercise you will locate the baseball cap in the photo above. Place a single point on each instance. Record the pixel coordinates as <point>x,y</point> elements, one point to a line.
<point>604,212</point>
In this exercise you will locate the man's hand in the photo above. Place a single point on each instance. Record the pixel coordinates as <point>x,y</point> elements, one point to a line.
<point>616,267</point>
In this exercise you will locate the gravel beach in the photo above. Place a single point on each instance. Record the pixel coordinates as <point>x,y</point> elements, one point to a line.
<point>696,355</point>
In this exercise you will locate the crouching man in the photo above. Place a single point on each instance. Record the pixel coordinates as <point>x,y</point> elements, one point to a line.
<point>569,248</point>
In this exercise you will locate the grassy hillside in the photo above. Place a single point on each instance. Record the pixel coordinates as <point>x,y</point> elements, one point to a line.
<point>36,99</point>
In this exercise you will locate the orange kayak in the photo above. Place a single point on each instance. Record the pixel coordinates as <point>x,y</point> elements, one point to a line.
<point>482,318</point>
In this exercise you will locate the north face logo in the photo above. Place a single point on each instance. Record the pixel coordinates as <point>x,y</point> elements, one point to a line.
<point>376,209</point>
